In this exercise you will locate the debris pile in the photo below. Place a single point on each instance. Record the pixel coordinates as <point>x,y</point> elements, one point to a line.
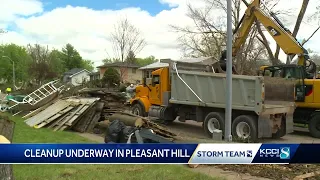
<point>77,113</point>
<point>114,101</point>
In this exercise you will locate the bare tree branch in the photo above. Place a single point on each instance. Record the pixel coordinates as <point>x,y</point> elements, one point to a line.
<point>126,38</point>
<point>305,41</point>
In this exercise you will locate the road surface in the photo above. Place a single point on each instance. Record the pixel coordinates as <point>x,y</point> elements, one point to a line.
<point>192,129</point>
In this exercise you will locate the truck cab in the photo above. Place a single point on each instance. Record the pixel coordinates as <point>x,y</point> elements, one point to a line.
<point>153,91</point>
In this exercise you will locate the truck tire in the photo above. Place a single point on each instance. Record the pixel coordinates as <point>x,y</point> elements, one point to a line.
<point>213,120</point>
<point>244,128</point>
<point>138,109</point>
<point>314,125</point>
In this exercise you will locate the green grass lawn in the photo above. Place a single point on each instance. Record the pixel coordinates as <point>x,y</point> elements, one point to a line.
<point>26,134</point>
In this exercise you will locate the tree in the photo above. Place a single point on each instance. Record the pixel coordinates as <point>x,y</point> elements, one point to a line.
<point>56,62</point>
<point>71,57</point>
<point>88,65</point>
<point>297,25</point>
<point>109,60</point>
<point>40,67</point>
<point>131,58</point>
<point>146,61</point>
<point>111,77</point>
<point>126,38</point>
<point>21,59</point>
<point>208,36</point>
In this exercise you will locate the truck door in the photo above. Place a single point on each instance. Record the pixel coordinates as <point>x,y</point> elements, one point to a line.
<point>155,94</point>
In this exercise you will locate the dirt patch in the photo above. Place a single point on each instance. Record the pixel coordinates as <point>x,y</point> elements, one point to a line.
<point>273,171</point>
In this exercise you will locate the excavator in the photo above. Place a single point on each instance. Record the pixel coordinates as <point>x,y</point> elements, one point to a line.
<point>307,88</point>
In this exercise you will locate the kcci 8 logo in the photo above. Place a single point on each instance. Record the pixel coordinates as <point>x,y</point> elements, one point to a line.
<point>282,153</point>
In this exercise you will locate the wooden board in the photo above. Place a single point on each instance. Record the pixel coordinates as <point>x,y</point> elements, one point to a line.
<point>47,113</point>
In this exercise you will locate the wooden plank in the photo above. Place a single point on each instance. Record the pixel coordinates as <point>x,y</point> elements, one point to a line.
<point>36,111</point>
<point>52,125</point>
<point>47,113</point>
<point>79,114</point>
<point>6,130</point>
<point>75,119</point>
<point>84,121</point>
<point>55,117</point>
<point>68,118</point>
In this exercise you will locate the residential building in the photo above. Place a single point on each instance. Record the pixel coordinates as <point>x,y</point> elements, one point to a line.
<point>129,73</point>
<point>94,76</point>
<point>76,76</point>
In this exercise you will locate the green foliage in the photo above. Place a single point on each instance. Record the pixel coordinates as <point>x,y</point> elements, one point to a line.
<point>111,77</point>
<point>41,67</point>
<point>122,88</point>
<point>146,61</point>
<point>71,57</point>
<point>131,58</point>
<point>21,59</point>
<point>110,60</point>
<point>56,62</point>
<point>87,64</point>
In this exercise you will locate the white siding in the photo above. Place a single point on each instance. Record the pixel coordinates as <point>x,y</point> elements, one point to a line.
<point>78,79</point>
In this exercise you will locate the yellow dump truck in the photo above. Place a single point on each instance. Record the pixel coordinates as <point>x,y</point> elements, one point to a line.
<point>187,91</point>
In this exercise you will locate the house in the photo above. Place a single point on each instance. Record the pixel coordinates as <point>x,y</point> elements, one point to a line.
<point>94,76</point>
<point>129,73</point>
<point>76,76</point>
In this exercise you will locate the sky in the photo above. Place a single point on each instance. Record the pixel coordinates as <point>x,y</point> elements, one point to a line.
<point>87,24</point>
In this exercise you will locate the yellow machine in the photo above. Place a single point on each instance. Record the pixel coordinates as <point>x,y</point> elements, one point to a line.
<point>308,87</point>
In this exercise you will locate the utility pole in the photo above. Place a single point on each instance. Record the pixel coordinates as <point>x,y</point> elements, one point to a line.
<point>228,136</point>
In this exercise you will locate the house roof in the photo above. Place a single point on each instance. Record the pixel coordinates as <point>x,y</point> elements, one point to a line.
<point>94,73</point>
<point>75,71</point>
<point>120,64</point>
<point>155,65</point>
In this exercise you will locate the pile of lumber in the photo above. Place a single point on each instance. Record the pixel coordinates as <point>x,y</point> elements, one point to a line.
<point>77,113</point>
<point>114,101</point>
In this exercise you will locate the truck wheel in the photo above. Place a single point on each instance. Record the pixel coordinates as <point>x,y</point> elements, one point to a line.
<point>245,128</point>
<point>137,109</point>
<point>314,126</point>
<point>213,120</point>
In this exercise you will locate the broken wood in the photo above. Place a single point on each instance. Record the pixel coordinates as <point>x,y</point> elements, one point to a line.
<point>127,120</point>
<point>308,175</point>
<point>103,125</point>
<point>6,130</point>
<point>130,120</point>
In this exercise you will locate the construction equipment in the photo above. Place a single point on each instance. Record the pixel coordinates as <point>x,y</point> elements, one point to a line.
<point>304,71</point>
<point>187,91</point>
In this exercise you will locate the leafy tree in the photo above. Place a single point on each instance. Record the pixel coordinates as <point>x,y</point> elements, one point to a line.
<point>56,62</point>
<point>88,65</point>
<point>131,58</point>
<point>71,57</point>
<point>110,60</point>
<point>40,67</point>
<point>21,59</point>
<point>146,61</point>
<point>111,77</point>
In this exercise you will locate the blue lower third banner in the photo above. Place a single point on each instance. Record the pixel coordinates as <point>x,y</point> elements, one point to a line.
<point>159,153</point>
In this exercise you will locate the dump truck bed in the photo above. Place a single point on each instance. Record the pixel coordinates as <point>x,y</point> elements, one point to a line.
<point>249,93</point>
